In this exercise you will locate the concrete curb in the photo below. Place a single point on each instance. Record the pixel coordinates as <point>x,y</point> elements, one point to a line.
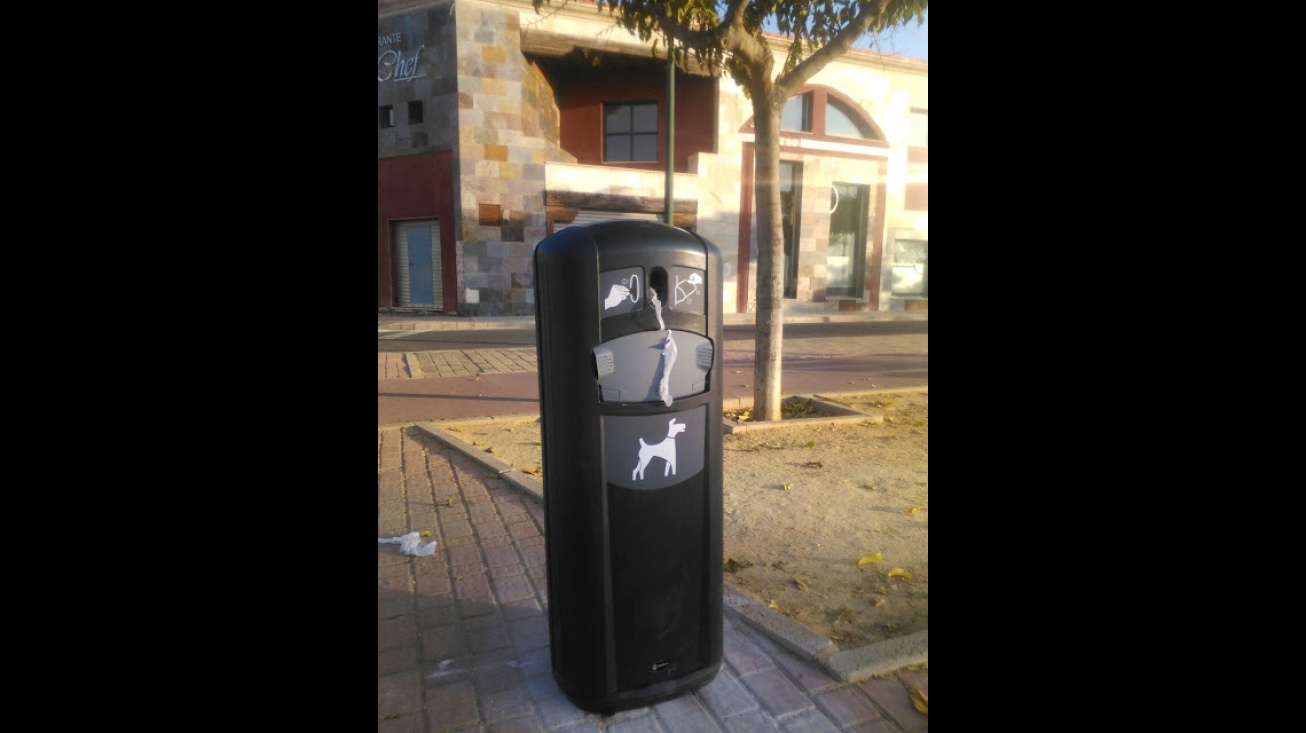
<point>842,414</point>
<point>415,370</point>
<point>521,481</point>
<point>880,658</point>
<point>848,665</point>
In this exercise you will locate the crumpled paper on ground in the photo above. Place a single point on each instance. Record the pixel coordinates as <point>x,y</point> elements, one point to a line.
<point>410,544</point>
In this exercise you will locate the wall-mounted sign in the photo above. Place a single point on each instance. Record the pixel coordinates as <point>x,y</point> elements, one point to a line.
<point>393,64</point>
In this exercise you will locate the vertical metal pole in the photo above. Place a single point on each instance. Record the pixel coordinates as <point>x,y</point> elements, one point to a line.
<point>671,130</point>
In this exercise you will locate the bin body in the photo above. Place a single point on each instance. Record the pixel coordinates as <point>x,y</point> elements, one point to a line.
<point>632,485</point>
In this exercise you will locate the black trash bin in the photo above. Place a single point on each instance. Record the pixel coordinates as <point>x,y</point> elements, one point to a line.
<point>628,328</point>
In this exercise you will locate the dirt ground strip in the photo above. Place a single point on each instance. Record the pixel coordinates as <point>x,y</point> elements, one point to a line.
<point>828,524</point>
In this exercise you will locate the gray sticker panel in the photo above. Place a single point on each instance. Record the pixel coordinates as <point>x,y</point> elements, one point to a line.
<point>622,290</point>
<point>687,289</point>
<point>654,451</point>
<point>630,368</point>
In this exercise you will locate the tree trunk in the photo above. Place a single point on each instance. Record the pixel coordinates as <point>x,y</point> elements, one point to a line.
<point>770,258</point>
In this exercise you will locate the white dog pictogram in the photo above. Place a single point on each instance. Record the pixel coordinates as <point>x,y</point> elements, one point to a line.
<point>666,450</point>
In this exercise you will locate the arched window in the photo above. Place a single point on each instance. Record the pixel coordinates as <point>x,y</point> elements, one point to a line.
<point>822,111</point>
<point>797,114</point>
<point>839,120</point>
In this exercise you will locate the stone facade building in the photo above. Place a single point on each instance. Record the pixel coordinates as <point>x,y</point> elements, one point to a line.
<point>499,125</point>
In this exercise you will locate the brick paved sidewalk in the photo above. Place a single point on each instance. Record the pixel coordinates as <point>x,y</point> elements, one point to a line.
<point>463,363</point>
<point>462,635</point>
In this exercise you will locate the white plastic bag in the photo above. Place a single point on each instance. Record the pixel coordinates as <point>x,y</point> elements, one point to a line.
<point>410,544</point>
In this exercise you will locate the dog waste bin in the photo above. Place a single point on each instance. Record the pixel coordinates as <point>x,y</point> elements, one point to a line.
<point>628,331</point>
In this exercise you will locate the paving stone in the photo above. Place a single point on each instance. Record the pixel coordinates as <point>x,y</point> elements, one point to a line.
<point>919,679</point>
<point>553,707</point>
<point>643,724</point>
<point>498,671</point>
<point>443,642</point>
<point>501,555</point>
<point>527,608</point>
<point>810,677</point>
<point>513,702</point>
<point>464,555</point>
<point>395,661</point>
<point>488,541</point>
<point>397,632</point>
<point>743,656</point>
<point>892,697</point>
<point>513,589</point>
<point>585,726</point>
<point>470,585</point>
<point>393,607</point>
<point>394,580</point>
<point>848,706</point>
<point>440,615</point>
<point>876,726</point>
<point>483,622</point>
<point>811,721</point>
<point>536,662</point>
<point>528,724</point>
<point>432,584</point>
<point>402,723</point>
<point>447,671</point>
<point>777,693</point>
<point>725,697</point>
<point>481,640</point>
<point>398,693</point>
<point>530,633</point>
<point>755,721</point>
<point>451,706</point>
<point>685,713</point>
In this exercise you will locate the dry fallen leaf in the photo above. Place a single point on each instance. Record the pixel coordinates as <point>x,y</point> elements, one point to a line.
<point>787,487</point>
<point>810,444</point>
<point>919,699</point>
<point>426,533</point>
<point>773,605</point>
<point>732,565</point>
<point>877,602</point>
<point>870,558</point>
<point>900,573</point>
<point>800,585</point>
<point>915,509</point>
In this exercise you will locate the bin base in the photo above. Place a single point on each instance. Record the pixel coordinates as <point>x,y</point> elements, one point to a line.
<point>639,697</point>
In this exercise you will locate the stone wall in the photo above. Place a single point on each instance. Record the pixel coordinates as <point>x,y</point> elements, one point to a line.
<point>415,56</point>
<point>507,132</point>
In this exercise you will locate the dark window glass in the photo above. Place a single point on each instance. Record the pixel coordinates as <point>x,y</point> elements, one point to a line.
<point>387,116</point>
<point>791,187</point>
<point>845,256</point>
<point>630,132</point>
<point>414,111</point>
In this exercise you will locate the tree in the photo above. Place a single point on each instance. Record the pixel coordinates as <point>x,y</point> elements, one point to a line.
<point>727,34</point>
